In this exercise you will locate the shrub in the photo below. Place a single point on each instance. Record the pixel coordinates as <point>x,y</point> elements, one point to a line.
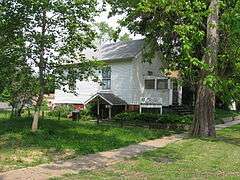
<point>64,111</point>
<point>175,119</point>
<point>153,118</point>
<point>85,117</point>
<point>126,117</point>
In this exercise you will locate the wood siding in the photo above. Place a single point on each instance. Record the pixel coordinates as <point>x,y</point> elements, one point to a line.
<point>127,82</point>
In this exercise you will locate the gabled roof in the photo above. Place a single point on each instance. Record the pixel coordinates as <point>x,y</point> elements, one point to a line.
<point>109,98</point>
<point>120,50</point>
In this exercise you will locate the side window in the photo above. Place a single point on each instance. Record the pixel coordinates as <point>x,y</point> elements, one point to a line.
<point>162,84</point>
<point>149,83</point>
<point>106,78</point>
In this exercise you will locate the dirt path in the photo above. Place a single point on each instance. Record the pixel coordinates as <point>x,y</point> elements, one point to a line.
<point>93,161</point>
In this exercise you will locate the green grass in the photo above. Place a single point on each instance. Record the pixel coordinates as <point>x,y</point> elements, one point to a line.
<point>221,113</point>
<point>188,159</point>
<point>58,140</point>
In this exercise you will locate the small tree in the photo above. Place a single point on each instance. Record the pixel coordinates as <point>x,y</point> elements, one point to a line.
<point>53,34</point>
<point>20,91</point>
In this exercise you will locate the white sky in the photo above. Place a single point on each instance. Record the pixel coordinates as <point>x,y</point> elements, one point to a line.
<point>113,22</point>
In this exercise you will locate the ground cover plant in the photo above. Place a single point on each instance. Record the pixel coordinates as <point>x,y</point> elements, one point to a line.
<point>61,139</point>
<point>208,158</point>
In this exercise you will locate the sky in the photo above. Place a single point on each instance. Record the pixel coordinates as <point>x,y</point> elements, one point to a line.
<point>113,22</point>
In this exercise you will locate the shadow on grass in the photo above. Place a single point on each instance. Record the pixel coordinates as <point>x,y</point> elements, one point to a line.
<point>82,138</point>
<point>230,135</point>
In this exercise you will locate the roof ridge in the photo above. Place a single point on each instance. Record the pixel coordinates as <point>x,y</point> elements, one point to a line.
<point>123,42</point>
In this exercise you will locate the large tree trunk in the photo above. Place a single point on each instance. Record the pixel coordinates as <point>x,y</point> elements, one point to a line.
<point>203,124</point>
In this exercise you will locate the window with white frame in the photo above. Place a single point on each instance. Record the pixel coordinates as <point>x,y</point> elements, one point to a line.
<point>162,84</point>
<point>106,78</point>
<point>149,83</point>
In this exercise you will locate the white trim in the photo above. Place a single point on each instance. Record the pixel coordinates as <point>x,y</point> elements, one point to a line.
<point>96,95</point>
<point>156,106</point>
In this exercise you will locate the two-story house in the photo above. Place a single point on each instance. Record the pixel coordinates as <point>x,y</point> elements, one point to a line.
<point>127,83</point>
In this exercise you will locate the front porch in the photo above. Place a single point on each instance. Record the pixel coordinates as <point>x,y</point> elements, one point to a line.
<point>108,105</point>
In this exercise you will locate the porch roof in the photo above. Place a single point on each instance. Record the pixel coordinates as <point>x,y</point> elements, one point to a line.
<point>110,98</point>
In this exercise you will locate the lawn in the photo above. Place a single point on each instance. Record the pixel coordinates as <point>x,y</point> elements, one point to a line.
<point>221,113</point>
<point>188,159</point>
<point>58,140</point>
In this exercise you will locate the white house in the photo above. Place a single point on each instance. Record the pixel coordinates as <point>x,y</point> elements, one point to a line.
<point>127,81</point>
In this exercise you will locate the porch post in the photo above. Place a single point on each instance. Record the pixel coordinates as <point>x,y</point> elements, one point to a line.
<point>98,111</point>
<point>98,108</point>
<point>110,112</point>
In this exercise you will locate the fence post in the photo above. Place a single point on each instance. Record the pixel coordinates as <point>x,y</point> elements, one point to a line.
<point>78,114</point>
<point>59,115</point>
<point>98,119</point>
<point>121,123</point>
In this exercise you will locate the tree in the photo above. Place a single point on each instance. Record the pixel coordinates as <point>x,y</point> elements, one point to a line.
<point>21,90</point>
<point>125,37</point>
<point>53,35</point>
<point>187,34</point>
<point>108,34</point>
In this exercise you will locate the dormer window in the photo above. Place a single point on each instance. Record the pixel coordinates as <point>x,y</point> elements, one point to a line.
<point>106,78</point>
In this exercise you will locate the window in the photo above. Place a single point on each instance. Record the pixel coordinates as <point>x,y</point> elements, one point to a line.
<point>149,83</point>
<point>106,78</point>
<point>162,84</point>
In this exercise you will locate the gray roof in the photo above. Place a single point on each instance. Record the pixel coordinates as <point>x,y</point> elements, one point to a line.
<point>120,50</point>
<point>109,98</point>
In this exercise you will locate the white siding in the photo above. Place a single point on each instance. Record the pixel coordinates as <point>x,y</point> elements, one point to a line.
<point>140,72</point>
<point>121,78</point>
<point>84,90</point>
<point>127,82</point>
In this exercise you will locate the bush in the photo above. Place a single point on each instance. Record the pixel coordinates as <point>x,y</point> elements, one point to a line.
<point>64,111</point>
<point>126,117</point>
<point>85,117</point>
<point>153,118</point>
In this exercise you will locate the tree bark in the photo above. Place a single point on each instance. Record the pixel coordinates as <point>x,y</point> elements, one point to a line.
<point>35,121</point>
<point>42,67</point>
<point>203,123</point>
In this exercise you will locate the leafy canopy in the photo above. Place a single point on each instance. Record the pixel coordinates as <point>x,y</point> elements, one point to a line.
<point>178,29</point>
<point>49,36</point>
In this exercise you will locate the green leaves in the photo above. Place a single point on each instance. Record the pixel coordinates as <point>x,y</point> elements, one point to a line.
<point>181,27</point>
<point>44,35</point>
